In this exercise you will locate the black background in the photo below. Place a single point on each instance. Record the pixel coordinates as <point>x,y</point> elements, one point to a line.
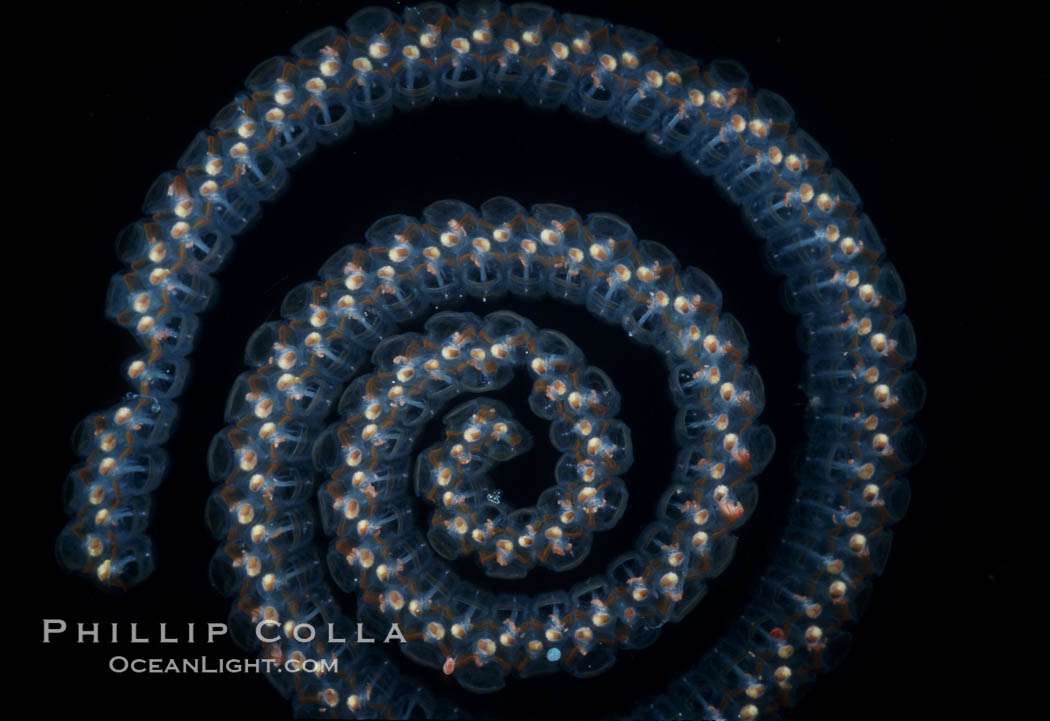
<point>880,92</point>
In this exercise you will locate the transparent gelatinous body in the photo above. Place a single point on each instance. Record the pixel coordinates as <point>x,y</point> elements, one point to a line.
<point>858,346</point>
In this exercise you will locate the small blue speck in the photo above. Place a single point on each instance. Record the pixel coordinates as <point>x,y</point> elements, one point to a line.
<point>553,654</point>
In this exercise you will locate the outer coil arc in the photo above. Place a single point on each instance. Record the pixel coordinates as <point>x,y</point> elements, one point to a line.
<point>275,411</point>
<point>859,344</point>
